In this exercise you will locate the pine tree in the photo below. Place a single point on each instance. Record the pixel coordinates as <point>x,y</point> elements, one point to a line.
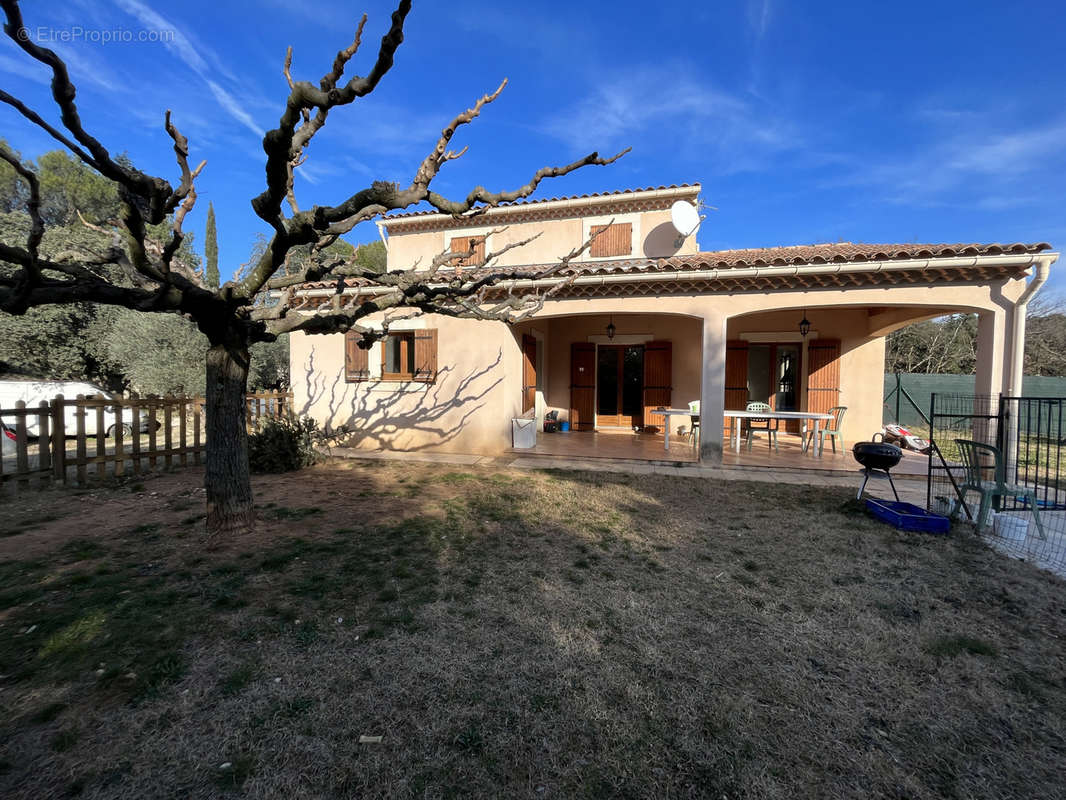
<point>211,248</point>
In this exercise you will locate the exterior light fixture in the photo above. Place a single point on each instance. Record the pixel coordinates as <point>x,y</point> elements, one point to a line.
<point>610,328</point>
<point>805,324</point>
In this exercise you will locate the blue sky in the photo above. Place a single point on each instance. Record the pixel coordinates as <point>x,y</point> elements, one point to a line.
<point>804,122</point>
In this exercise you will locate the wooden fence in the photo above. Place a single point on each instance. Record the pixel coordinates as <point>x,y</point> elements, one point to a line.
<point>70,440</point>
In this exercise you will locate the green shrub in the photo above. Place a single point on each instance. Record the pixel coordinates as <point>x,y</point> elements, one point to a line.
<point>283,445</point>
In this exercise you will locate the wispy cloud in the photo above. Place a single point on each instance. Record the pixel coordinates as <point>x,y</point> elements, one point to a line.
<point>193,56</point>
<point>675,107</point>
<point>759,16</point>
<point>975,164</point>
<point>31,71</point>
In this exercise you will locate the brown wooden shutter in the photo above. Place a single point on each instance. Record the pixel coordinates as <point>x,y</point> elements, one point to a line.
<point>425,356</point>
<point>461,244</point>
<point>582,386</point>
<point>617,241</point>
<point>823,375</point>
<point>736,378</point>
<point>658,379</point>
<point>529,372</point>
<point>356,359</point>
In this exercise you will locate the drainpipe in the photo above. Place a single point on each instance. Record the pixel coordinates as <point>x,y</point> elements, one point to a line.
<point>1017,362</point>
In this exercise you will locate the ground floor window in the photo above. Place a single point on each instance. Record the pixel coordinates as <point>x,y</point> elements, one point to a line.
<point>398,357</point>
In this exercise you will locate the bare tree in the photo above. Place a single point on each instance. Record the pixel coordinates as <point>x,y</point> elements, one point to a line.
<point>154,280</point>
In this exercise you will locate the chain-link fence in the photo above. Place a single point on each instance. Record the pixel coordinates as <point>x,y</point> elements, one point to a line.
<point>998,462</point>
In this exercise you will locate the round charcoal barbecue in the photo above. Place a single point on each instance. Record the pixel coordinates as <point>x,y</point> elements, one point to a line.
<point>876,457</point>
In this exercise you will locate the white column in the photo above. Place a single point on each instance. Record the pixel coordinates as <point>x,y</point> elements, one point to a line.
<point>992,344</point>
<point>712,388</point>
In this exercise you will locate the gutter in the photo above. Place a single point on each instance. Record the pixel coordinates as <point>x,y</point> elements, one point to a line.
<point>910,265</point>
<point>1017,362</point>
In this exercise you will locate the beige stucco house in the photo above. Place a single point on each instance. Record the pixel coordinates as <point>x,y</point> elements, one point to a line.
<point>718,327</point>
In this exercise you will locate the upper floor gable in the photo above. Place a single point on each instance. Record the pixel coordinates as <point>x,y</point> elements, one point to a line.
<point>637,223</point>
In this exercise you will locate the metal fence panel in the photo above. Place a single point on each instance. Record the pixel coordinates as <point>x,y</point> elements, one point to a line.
<point>921,387</point>
<point>1027,517</point>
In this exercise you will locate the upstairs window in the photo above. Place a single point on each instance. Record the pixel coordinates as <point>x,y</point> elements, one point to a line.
<point>468,244</point>
<point>616,240</point>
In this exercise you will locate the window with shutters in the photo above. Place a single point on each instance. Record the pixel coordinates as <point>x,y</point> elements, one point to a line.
<point>410,356</point>
<point>398,357</point>
<point>475,245</point>
<point>356,359</point>
<point>616,240</point>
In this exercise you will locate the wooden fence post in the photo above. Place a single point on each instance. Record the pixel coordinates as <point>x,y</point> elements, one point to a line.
<point>119,467</point>
<point>44,444</point>
<point>101,439</point>
<point>22,461</point>
<point>168,423</point>
<point>59,440</point>
<point>79,417</point>
<point>135,440</point>
<point>153,424</point>
<point>183,410</point>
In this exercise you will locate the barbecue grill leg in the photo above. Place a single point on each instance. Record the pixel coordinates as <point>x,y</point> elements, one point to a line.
<point>893,485</point>
<point>866,474</point>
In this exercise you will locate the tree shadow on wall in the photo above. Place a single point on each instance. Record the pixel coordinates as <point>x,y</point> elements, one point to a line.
<point>408,420</point>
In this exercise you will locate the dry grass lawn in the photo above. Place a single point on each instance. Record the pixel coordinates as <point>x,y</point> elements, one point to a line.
<point>513,634</point>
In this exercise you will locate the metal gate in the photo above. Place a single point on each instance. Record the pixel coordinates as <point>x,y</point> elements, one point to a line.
<point>1028,432</point>
<point>1029,437</point>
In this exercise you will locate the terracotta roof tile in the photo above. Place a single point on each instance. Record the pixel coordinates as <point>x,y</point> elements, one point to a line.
<point>521,203</point>
<point>798,255</point>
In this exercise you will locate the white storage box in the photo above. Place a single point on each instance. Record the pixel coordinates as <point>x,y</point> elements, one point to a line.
<point>1012,528</point>
<point>523,433</point>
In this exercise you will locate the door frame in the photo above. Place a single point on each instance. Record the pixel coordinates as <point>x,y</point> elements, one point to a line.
<point>791,425</point>
<point>621,371</point>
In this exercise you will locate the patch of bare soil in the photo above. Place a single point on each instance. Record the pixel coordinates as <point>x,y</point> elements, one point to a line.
<point>504,633</point>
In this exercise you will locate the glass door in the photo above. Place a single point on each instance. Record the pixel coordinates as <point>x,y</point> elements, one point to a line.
<point>619,386</point>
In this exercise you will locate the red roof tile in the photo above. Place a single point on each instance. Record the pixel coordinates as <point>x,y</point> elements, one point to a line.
<point>797,255</point>
<point>521,203</point>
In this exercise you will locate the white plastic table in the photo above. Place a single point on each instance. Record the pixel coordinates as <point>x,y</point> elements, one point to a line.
<point>666,413</point>
<point>804,415</point>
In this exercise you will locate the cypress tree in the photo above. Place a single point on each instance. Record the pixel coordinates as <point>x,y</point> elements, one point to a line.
<point>211,248</point>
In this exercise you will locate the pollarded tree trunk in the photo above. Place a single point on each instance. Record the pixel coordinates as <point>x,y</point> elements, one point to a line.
<point>229,488</point>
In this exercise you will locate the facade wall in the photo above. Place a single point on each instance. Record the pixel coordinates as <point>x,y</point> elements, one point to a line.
<point>682,332</point>
<point>467,410</point>
<point>862,358</point>
<point>653,237</point>
<point>479,388</point>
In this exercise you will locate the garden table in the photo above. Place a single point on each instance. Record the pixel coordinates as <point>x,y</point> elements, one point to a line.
<point>734,428</point>
<point>666,413</point>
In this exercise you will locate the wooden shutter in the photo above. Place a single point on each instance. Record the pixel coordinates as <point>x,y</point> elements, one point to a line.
<point>425,355</point>
<point>736,378</point>
<point>617,241</point>
<point>463,244</point>
<point>658,378</point>
<point>582,386</point>
<point>529,372</point>
<point>356,359</point>
<point>823,375</point>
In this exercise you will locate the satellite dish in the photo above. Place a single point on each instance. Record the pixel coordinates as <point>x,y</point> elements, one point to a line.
<point>685,219</point>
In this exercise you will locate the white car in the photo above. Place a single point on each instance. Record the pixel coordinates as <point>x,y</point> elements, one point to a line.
<point>33,392</point>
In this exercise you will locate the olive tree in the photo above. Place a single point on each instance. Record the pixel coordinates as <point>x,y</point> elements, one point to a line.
<point>232,317</point>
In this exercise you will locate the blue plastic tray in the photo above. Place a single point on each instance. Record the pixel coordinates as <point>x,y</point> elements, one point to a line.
<point>907,517</point>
